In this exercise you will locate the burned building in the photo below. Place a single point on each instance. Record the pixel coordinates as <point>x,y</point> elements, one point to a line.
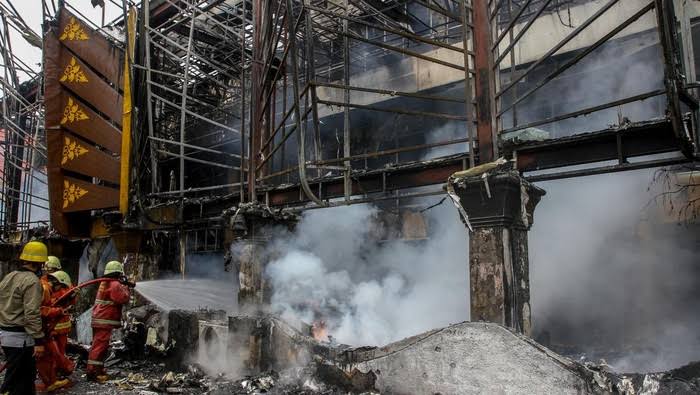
<point>192,138</point>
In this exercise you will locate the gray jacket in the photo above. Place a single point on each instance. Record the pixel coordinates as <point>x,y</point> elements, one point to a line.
<point>21,295</point>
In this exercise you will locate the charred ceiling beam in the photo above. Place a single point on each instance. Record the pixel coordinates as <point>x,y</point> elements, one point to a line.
<point>379,181</point>
<point>634,140</point>
<point>647,164</point>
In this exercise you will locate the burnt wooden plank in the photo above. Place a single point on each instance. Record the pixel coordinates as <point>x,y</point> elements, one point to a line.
<point>86,84</point>
<point>91,47</point>
<point>78,195</point>
<point>77,155</point>
<point>69,112</point>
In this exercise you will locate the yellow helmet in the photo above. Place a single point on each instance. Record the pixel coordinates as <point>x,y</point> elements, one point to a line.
<point>114,267</point>
<point>34,251</point>
<point>62,277</point>
<point>53,263</point>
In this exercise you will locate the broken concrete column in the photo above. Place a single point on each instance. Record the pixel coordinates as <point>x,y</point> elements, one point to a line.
<point>183,337</point>
<point>249,257</point>
<point>500,207</point>
<point>263,342</point>
<point>251,226</point>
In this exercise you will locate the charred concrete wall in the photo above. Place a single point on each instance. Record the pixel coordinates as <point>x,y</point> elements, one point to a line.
<point>264,342</point>
<point>465,358</point>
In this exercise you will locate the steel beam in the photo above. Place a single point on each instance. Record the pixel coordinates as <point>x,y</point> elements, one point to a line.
<point>484,87</point>
<point>647,138</point>
<point>371,182</point>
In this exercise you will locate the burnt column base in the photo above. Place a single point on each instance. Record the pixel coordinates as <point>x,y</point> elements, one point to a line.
<point>251,225</point>
<point>251,279</point>
<point>500,209</point>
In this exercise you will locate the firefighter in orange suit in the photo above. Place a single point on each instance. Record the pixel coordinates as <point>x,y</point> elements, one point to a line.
<point>63,326</point>
<point>52,265</point>
<point>50,315</point>
<point>106,316</point>
<point>61,330</point>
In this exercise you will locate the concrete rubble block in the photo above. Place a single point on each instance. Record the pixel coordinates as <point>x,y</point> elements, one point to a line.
<point>353,381</point>
<point>183,338</point>
<point>145,330</point>
<point>243,342</point>
<point>467,358</point>
<point>267,343</point>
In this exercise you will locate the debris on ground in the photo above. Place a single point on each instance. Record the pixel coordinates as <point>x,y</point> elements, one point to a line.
<point>463,358</point>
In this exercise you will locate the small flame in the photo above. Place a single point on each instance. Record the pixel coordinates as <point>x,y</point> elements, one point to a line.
<point>319,330</point>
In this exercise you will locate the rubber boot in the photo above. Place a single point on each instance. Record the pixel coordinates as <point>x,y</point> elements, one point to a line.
<point>58,384</point>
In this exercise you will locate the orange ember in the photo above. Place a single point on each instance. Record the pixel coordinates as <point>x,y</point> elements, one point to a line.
<point>320,331</point>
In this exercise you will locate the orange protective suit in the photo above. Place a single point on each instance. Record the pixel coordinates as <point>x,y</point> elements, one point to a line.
<point>61,331</point>
<point>106,315</point>
<point>46,364</point>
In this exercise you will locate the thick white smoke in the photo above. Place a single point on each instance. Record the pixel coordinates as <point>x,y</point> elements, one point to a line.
<point>371,292</point>
<point>608,278</point>
<point>611,278</point>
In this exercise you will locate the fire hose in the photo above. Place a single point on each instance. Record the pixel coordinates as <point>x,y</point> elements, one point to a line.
<point>122,280</point>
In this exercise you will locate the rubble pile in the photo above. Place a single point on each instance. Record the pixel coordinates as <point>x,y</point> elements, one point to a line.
<point>146,378</point>
<point>684,380</point>
<point>296,381</point>
<point>465,358</point>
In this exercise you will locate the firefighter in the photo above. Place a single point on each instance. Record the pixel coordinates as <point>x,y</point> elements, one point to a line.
<point>106,315</point>
<point>60,332</point>
<point>48,364</point>
<point>52,264</point>
<point>21,331</point>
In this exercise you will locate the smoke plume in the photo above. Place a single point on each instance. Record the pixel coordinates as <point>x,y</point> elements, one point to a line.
<point>371,292</point>
<point>612,279</point>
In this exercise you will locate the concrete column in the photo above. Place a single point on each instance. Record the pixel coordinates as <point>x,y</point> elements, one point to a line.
<point>249,256</point>
<point>500,207</point>
<point>251,226</point>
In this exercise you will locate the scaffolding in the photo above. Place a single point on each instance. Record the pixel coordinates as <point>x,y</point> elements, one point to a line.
<point>248,98</point>
<point>617,66</point>
<point>23,191</point>
<point>246,76</point>
<point>316,103</point>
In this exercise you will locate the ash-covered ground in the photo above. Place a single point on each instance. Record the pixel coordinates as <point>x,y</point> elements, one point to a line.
<point>146,377</point>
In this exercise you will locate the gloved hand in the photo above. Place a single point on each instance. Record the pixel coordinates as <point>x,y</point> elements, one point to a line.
<point>38,351</point>
<point>51,312</point>
<point>124,280</point>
